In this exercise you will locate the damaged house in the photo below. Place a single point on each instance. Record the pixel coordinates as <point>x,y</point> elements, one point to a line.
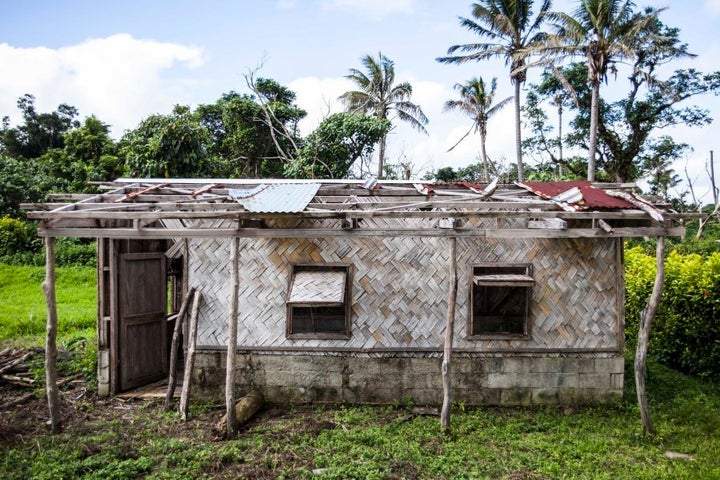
<point>343,286</point>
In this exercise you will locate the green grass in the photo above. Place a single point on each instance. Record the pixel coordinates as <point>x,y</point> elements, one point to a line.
<point>22,303</point>
<point>125,440</point>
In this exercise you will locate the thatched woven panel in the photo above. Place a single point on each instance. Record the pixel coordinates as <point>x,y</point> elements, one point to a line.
<point>399,290</point>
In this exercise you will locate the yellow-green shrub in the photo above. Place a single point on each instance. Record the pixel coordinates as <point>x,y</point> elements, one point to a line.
<point>686,331</point>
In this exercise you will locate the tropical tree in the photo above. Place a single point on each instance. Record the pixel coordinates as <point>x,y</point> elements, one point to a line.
<point>93,153</point>
<point>336,144</point>
<point>378,96</point>
<point>628,128</point>
<point>476,101</point>
<point>605,32</point>
<point>166,146</point>
<point>512,32</point>
<point>39,132</point>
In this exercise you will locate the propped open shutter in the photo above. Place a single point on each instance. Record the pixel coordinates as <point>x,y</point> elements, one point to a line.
<point>313,288</point>
<point>502,280</point>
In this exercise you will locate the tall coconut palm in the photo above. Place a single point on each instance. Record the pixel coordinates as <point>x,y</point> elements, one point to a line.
<point>511,31</point>
<point>379,96</point>
<point>603,31</point>
<point>476,101</point>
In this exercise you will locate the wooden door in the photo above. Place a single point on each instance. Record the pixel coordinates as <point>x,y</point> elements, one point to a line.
<point>142,339</point>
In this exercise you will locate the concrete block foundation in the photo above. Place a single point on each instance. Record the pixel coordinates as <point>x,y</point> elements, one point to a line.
<point>300,378</point>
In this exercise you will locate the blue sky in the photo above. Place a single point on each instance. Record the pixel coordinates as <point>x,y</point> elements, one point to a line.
<point>125,60</point>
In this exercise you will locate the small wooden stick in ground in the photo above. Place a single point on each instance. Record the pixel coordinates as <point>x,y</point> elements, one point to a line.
<point>190,360</point>
<point>174,348</point>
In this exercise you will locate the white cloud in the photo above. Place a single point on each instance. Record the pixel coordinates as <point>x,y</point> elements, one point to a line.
<point>371,8</point>
<point>319,98</point>
<point>118,78</point>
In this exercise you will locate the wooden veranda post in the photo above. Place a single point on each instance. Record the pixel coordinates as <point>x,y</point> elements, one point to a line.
<point>48,287</point>
<point>190,360</point>
<point>232,339</point>
<point>174,348</point>
<point>646,318</point>
<point>447,351</point>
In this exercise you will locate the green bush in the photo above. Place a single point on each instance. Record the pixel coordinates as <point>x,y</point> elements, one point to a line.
<point>18,237</point>
<point>686,331</point>
<point>20,245</point>
<point>75,251</point>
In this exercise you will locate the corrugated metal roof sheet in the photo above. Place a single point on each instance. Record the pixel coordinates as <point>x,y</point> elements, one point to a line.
<point>591,197</point>
<point>276,198</point>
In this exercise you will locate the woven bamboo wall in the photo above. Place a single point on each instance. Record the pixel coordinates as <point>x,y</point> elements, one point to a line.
<point>399,290</point>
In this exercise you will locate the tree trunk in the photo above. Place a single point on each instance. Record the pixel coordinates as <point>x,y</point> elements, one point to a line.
<point>381,157</point>
<point>518,136</point>
<point>646,318</point>
<point>232,341</point>
<point>51,386</point>
<point>447,352</point>
<point>560,140</point>
<point>594,120</point>
<point>483,152</point>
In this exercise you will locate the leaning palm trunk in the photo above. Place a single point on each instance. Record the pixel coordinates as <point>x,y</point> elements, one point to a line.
<point>518,138</point>
<point>594,118</point>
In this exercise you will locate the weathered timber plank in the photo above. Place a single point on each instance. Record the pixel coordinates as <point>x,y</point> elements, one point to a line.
<point>230,210</point>
<point>162,233</point>
<point>428,350</point>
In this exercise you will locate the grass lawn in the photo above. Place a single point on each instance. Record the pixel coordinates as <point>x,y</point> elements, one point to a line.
<point>126,439</point>
<point>22,303</point>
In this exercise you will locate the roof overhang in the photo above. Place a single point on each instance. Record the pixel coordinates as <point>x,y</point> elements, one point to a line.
<point>177,208</point>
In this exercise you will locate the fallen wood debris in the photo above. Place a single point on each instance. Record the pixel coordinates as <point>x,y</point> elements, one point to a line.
<point>17,401</point>
<point>245,408</point>
<point>419,412</point>
<point>14,368</point>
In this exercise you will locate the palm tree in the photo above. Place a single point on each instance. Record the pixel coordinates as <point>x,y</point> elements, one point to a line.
<point>378,96</point>
<point>604,31</point>
<point>512,31</point>
<point>477,103</point>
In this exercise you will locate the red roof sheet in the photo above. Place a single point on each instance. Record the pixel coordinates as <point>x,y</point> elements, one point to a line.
<point>592,197</point>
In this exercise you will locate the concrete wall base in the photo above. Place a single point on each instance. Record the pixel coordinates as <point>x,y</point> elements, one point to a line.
<point>477,380</point>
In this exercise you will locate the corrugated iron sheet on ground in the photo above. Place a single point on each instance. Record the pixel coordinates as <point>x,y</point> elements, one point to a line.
<point>276,198</point>
<point>591,197</point>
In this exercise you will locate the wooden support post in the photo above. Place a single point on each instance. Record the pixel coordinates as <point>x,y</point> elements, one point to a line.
<point>232,340</point>
<point>447,352</point>
<point>174,348</point>
<point>646,318</point>
<point>190,360</point>
<point>51,386</point>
